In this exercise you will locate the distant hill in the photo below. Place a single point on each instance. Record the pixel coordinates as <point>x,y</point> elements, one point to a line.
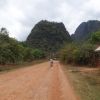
<point>48,36</point>
<point>85,29</point>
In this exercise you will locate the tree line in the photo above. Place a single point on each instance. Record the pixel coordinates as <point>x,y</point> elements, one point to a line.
<point>82,53</point>
<point>14,52</point>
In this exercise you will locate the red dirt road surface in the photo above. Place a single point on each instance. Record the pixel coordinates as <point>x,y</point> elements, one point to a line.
<point>37,82</point>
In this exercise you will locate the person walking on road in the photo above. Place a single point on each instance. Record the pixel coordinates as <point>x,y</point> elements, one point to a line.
<point>51,62</point>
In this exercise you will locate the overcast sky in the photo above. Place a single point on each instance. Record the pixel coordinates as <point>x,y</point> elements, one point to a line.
<point>20,16</point>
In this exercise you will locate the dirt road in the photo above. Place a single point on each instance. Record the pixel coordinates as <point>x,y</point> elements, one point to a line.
<point>38,82</point>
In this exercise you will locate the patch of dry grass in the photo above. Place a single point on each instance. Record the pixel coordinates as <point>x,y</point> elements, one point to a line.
<point>86,82</point>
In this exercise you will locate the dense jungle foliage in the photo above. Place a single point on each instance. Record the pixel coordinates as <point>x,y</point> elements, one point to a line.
<point>82,53</point>
<point>13,51</point>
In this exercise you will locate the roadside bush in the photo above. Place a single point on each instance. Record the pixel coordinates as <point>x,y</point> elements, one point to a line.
<point>84,54</point>
<point>38,54</point>
<point>78,54</point>
<point>66,54</point>
<point>10,53</point>
<point>14,52</point>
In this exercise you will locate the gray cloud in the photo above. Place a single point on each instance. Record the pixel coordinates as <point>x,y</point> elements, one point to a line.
<point>20,16</point>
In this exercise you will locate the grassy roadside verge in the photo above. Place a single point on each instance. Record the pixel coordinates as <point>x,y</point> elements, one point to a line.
<point>85,83</point>
<point>4,68</point>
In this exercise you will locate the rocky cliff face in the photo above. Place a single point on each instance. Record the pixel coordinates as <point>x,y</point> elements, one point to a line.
<point>48,36</point>
<point>85,29</point>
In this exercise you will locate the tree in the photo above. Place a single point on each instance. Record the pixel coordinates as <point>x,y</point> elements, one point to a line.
<point>78,54</point>
<point>4,31</point>
<point>38,54</point>
<point>95,38</point>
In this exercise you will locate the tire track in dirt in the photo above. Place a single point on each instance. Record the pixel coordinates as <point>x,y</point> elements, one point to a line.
<point>22,83</point>
<point>39,82</point>
<point>66,88</point>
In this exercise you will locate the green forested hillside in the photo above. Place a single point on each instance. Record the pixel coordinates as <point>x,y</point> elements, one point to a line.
<point>48,36</point>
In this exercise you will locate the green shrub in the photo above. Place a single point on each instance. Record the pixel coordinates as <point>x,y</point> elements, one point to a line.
<point>38,54</point>
<point>95,38</point>
<point>13,52</point>
<point>78,54</point>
